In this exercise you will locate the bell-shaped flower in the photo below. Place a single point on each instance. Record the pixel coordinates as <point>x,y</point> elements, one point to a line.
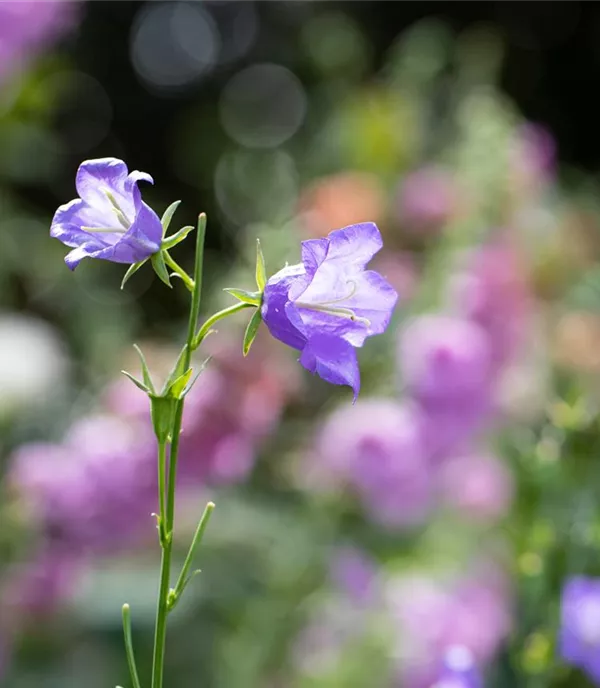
<point>579,639</point>
<point>109,220</point>
<point>329,304</point>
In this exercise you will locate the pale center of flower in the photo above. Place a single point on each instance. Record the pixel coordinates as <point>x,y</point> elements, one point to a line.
<point>330,308</point>
<point>122,218</point>
<point>588,622</point>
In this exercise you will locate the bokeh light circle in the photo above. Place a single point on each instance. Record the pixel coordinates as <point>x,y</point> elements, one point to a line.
<point>173,44</point>
<point>253,186</point>
<point>263,106</point>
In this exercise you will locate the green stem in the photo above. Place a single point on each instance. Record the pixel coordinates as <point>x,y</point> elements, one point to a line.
<point>205,329</point>
<point>129,646</point>
<point>162,471</point>
<point>187,280</point>
<point>187,564</point>
<point>168,516</point>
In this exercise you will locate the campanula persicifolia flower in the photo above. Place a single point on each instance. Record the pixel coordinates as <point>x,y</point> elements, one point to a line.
<point>329,304</point>
<point>109,220</point>
<point>580,625</point>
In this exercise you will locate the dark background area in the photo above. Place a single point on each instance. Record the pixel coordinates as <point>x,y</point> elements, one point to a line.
<point>552,62</point>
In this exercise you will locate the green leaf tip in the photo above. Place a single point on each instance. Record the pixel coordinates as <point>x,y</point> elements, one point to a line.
<point>251,331</point>
<point>261,273</point>
<point>251,297</point>
<point>168,216</point>
<point>131,271</point>
<point>177,238</point>
<point>145,371</point>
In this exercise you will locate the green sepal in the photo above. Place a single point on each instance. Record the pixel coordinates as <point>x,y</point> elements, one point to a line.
<point>261,272</point>
<point>251,331</point>
<point>178,387</point>
<point>145,371</point>
<point>254,298</point>
<point>176,372</point>
<point>177,238</point>
<point>192,382</point>
<point>136,382</point>
<point>163,414</point>
<point>160,268</point>
<point>131,271</point>
<point>165,220</point>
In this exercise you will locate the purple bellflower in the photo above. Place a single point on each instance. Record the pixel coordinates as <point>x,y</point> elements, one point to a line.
<point>109,220</point>
<point>580,625</point>
<point>329,304</point>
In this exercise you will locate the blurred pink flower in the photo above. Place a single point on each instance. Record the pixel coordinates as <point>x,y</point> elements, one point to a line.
<point>532,161</point>
<point>427,199</point>
<point>445,360</point>
<point>480,486</point>
<point>430,617</point>
<point>354,573</point>
<point>37,587</point>
<point>27,27</point>
<point>375,447</point>
<point>94,492</point>
<point>493,292</point>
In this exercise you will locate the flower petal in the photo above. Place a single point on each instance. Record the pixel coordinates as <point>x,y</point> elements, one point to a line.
<point>374,299</point>
<point>68,220</point>
<point>94,175</point>
<point>310,321</point>
<point>274,312</point>
<point>333,359</point>
<point>146,231</point>
<point>75,257</point>
<point>343,251</point>
<point>131,187</point>
<point>354,245</point>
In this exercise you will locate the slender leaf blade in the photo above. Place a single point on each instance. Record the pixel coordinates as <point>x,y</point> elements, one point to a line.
<point>168,216</point>
<point>251,297</point>
<point>131,271</point>
<point>251,331</point>
<point>261,272</point>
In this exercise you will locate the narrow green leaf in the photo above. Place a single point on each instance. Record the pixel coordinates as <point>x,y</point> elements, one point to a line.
<point>168,216</point>
<point>145,371</point>
<point>251,331</point>
<point>160,268</point>
<point>136,382</point>
<point>261,272</point>
<point>131,271</point>
<point>177,238</point>
<point>251,297</point>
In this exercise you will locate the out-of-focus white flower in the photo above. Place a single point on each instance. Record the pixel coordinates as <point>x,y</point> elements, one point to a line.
<point>33,362</point>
